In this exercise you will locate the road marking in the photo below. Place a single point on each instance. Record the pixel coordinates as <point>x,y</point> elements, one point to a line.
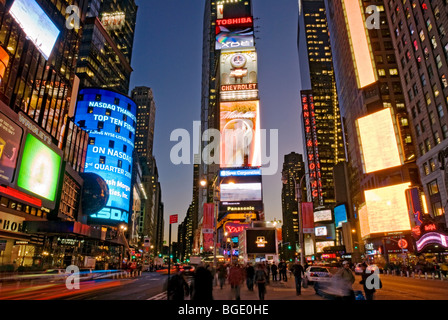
<point>160,296</point>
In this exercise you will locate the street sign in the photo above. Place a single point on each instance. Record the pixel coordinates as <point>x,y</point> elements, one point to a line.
<point>173,218</point>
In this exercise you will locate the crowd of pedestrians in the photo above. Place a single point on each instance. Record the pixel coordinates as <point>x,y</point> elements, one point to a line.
<point>235,275</point>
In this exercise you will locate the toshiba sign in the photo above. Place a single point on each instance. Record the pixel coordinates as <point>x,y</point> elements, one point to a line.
<point>234,21</point>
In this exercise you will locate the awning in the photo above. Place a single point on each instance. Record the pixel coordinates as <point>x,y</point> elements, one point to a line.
<point>64,227</point>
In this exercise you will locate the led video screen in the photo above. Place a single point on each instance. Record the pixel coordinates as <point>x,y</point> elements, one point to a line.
<point>240,192</point>
<point>111,117</point>
<point>240,134</point>
<point>36,24</point>
<point>379,143</point>
<point>39,169</point>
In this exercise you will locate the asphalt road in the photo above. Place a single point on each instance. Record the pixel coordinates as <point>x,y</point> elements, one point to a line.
<point>150,287</point>
<point>402,288</point>
<point>150,284</point>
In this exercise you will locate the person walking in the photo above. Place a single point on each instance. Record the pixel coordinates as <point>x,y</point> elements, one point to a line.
<point>236,278</point>
<point>260,280</point>
<point>282,270</point>
<point>250,273</point>
<point>346,277</point>
<point>222,275</point>
<point>274,271</point>
<point>202,285</point>
<point>178,287</point>
<point>298,272</point>
<point>365,278</point>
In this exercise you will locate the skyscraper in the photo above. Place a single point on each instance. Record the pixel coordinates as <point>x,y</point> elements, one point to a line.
<point>318,75</point>
<point>293,169</point>
<point>146,113</point>
<point>106,49</point>
<point>419,36</point>
<point>375,119</point>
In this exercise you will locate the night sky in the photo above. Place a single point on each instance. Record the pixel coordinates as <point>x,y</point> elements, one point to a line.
<point>167,57</point>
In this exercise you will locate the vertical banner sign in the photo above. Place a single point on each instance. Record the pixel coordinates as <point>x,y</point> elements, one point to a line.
<point>307,217</point>
<point>309,121</point>
<point>173,218</point>
<point>414,206</point>
<point>208,224</point>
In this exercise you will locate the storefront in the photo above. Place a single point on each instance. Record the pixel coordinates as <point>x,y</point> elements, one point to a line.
<point>17,249</point>
<point>431,241</point>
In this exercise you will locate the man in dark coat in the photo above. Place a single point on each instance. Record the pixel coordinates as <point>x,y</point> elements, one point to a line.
<point>298,272</point>
<point>202,285</point>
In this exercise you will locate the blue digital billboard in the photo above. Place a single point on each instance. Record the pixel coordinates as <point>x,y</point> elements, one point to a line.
<point>340,215</point>
<point>110,119</point>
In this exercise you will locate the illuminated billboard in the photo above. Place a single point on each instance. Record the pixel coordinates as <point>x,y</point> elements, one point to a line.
<point>261,241</point>
<point>113,20</point>
<point>10,142</point>
<point>240,173</point>
<point>379,142</point>
<point>234,33</point>
<point>312,146</point>
<point>39,169</point>
<point>36,24</point>
<point>359,42</point>
<point>321,231</point>
<point>340,215</point>
<point>385,210</point>
<point>240,134</point>
<point>111,119</point>
<point>241,192</point>
<point>323,244</point>
<point>323,215</point>
<point>239,75</point>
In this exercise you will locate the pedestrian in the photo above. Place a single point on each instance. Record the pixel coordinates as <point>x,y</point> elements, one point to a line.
<point>444,268</point>
<point>298,272</point>
<point>346,277</point>
<point>260,279</point>
<point>178,287</point>
<point>250,273</point>
<point>236,278</point>
<point>369,290</point>
<point>202,284</point>
<point>282,270</point>
<point>222,275</point>
<point>268,272</point>
<point>274,271</point>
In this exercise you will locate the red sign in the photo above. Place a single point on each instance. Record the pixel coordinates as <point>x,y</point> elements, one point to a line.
<point>430,227</point>
<point>403,244</point>
<point>307,217</point>
<point>233,228</point>
<point>235,21</point>
<point>173,218</point>
<point>309,121</point>
<point>329,256</point>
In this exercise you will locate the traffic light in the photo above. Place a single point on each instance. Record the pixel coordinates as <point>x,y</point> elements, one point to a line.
<point>160,255</point>
<point>289,247</point>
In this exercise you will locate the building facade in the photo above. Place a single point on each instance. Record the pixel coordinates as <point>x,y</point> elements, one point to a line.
<point>372,102</point>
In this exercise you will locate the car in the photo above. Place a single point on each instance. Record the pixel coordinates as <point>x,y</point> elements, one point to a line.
<point>319,274</point>
<point>370,268</point>
<point>187,270</point>
<point>358,269</point>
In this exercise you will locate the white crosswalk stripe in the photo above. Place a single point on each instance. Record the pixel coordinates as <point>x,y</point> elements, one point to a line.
<point>160,296</point>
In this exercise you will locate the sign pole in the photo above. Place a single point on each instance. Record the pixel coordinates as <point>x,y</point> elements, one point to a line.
<point>169,254</point>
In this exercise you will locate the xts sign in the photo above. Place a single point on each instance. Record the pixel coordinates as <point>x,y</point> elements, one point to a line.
<point>112,214</point>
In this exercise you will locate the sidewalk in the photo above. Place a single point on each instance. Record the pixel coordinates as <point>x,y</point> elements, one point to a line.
<point>276,290</point>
